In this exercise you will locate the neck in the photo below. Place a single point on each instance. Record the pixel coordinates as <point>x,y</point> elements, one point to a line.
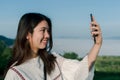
<point>34,54</point>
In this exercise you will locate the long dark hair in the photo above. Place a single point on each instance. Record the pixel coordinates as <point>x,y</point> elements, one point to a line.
<point>21,48</point>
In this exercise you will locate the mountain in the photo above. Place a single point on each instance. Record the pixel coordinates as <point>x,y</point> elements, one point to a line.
<point>7,41</point>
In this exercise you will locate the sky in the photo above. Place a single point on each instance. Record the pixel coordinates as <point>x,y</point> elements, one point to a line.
<point>70,18</point>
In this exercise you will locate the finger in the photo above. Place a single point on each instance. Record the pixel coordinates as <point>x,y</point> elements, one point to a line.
<point>94,24</point>
<point>96,32</point>
<point>95,29</point>
<point>93,19</point>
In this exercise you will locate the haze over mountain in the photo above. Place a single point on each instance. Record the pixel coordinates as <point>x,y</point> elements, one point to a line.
<point>8,41</point>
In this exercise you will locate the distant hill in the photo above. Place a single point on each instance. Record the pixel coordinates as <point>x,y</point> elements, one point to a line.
<point>7,41</point>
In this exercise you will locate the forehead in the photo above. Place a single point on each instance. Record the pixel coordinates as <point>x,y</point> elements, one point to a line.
<point>42,24</point>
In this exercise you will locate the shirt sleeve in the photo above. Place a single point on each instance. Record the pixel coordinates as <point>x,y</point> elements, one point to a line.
<point>74,69</point>
<point>11,75</point>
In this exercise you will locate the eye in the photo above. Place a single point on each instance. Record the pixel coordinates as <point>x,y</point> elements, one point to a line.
<point>48,30</point>
<point>43,30</point>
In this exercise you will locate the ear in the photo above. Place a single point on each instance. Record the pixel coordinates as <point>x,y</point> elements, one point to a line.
<point>28,35</point>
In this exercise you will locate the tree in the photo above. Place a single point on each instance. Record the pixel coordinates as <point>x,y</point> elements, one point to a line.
<point>4,59</point>
<point>2,46</point>
<point>70,55</point>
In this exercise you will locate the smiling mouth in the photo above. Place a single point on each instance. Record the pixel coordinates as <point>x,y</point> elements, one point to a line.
<point>45,42</point>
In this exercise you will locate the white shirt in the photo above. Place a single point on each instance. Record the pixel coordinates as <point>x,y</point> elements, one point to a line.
<point>64,68</point>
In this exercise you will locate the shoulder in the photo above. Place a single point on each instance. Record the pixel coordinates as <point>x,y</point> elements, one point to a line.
<point>11,75</point>
<point>61,59</point>
<point>55,54</point>
<point>58,56</point>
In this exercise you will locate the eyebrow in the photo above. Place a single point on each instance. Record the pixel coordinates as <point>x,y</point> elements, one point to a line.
<point>44,27</point>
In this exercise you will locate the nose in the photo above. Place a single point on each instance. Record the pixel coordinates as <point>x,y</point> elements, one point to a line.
<point>46,35</point>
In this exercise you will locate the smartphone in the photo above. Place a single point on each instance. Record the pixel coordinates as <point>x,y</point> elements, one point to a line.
<point>91,17</point>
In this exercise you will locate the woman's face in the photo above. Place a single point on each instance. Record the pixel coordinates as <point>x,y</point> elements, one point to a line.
<point>39,38</point>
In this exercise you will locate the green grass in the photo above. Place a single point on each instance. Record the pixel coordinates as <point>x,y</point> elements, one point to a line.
<point>106,76</point>
<point>107,68</point>
<point>108,64</point>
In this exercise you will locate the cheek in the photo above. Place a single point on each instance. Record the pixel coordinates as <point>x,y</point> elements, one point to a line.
<point>39,38</point>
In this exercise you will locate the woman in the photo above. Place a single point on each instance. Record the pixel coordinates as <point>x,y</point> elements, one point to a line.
<point>32,58</point>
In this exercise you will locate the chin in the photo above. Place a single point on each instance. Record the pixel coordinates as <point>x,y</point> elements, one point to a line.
<point>42,47</point>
